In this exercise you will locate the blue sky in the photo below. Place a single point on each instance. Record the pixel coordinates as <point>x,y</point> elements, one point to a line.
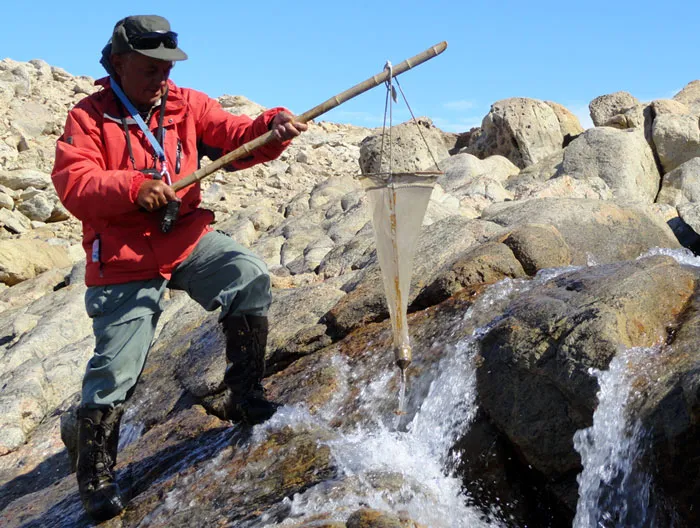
<point>298,54</point>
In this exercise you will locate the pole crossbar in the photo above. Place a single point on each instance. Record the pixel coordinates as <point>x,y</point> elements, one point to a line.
<point>336,100</point>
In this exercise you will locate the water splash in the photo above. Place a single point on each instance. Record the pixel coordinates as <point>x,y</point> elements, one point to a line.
<point>415,463</point>
<point>401,410</point>
<point>613,491</point>
<point>683,256</point>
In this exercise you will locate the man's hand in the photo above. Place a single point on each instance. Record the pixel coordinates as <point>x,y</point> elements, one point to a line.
<point>284,127</point>
<point>154,194</point>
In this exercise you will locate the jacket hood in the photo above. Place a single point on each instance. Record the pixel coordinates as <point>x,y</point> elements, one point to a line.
<point>104,59</point>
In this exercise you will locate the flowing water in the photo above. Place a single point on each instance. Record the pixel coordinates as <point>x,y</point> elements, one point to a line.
<point>612,490</point>
<point>401,462</point>
<point>416,456</point>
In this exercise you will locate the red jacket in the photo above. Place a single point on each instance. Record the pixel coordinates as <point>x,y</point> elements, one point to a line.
<point>96,182</point>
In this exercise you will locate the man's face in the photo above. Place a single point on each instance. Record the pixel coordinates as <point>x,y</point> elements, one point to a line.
<point>142,78</point>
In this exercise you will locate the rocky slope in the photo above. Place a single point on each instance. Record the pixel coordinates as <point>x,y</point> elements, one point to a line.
<point>546,251</point>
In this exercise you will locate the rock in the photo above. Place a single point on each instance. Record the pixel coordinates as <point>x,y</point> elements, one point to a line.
<point>669,106</point>
<point>462,168</point>
<point>409,150</point>
<point>620,158</point>
<point>484,264</point>
<point>677,139</point>
<point>293,311</point>
<point>541,351</point>
<point>690,96</point>
<point>238,105</point>
<point>32,289</point>
<point>538,246</point>
<point>6,201</point>
<point>334,188</point>
<point>241,230</point>
<point>366,518</point>
<point>32,119</point>
<point>681,184</point>
<point>604,107</point>
<point>568,122</point>
<point>629,231</point>
<point>353,254</point>
<point>23,178</point>
<point>665,400</point>
<point>270,250</point>
<point>23,259</point>
<point>689,212</point>
<point>44,363</point>
<point>523,130</point>
<point>39,207</point>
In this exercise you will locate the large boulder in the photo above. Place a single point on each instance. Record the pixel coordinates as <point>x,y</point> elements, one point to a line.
<point>411,147</point>
<point>620,158</point>
<point>534,378</point>
<point>463,168</point>
<point>24,178</point>
<point>604,107</point>
<point>568,122</point>
<point>666,401</point>
<point>629,231</point>
<point>23,259</point>
<point>690,96</point>
<point>523,130</point>
<point>681,184</point>
<point>677,139</point>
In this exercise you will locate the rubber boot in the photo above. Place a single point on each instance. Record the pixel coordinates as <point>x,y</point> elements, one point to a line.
<point>98,438</point>
<point>246,339</point>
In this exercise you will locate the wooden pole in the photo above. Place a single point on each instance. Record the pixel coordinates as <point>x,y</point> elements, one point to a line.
<point>336,100</point>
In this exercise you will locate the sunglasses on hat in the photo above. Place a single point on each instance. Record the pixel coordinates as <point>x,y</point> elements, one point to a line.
<point>153,40</point>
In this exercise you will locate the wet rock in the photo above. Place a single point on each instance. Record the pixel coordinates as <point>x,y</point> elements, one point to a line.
<point>367,518</point>
<point>484,264</point>
<point>540,352</point>
<point>666,401</point>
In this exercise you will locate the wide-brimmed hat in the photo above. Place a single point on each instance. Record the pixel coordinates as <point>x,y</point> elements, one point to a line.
<point>149,35</point>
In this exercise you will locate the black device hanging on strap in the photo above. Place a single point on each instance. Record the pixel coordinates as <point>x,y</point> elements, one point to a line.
<point>172,209</point>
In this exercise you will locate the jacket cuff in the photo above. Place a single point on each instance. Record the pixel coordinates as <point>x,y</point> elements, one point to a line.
<point>262,125</point>
<point>136,182</point>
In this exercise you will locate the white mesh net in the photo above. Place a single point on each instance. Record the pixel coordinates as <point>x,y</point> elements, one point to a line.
<point>398,203</point>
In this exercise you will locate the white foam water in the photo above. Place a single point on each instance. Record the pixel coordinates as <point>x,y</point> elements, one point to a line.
<point>417,460</point>
<point>613,491</point>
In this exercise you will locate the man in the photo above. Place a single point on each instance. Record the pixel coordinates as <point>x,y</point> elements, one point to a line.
<point>120,149</point>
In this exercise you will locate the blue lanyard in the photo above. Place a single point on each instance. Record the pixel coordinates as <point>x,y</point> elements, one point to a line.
<point>142,125</point>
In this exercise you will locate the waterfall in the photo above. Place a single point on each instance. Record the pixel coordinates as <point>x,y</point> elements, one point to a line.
<point>612,490</point>
<point>417,457</point>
